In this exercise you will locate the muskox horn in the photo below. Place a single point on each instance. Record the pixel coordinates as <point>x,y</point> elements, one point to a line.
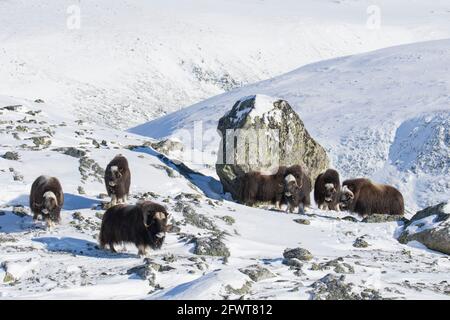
<point>159,215</point>
<point>346,190</point>
<point>145,219</point>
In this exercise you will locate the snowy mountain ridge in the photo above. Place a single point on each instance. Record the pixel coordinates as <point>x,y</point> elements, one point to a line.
<point>127,62</point>
<point>382,115</point>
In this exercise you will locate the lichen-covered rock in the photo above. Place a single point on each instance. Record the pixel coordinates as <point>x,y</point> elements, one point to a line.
<point>338,265</point>
<point>11,155</point>
<point>332,287</point>
<point>302,221</point>
<point>380,218</point>
<point>20,211</point>
<point>360,243</point>
<point>199,220</point>
<point>297,253</point>
<point>168,146</point>
<point>257,273</point>
<point>246,287</point>
<point>211,246</point>
<point>71,151</point>
<point>431,227</point>
<point>269,134</point>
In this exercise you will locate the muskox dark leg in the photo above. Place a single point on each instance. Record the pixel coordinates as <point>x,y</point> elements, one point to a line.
<point>111,247</point>
<point>301,208</point>
<point>35,217</point>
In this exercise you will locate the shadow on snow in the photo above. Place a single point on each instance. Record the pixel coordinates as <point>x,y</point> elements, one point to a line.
<point>79,247</point>
<point>208,185</point>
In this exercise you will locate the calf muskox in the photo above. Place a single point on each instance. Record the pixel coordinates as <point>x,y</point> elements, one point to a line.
<point>297,189</point>
<point>366,197</point>
<point>327,190</point>
<point>256,186</point>
<point>117,179</point>
<point>144,224</point>
<point>291,193</point>
<point>46,199</point>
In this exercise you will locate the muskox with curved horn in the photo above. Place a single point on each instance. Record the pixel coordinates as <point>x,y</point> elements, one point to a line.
<point>46,199</point>
<point>366,197</point>
<point>297,189</point>
<point>327,190</point>
<point>144,224</point>
<point>118,179</point>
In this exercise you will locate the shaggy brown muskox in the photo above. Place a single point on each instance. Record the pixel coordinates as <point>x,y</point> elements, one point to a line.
<point>118,179</point>
<point>46,199</point>
<point>144,224</point>
<point>256,187</point>
<point>297,189</point>
<point>327,190</point>
<point>366,197</point>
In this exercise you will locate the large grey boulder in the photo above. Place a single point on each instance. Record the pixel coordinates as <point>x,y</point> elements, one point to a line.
<point>261,133</point>
<point>431,227</point>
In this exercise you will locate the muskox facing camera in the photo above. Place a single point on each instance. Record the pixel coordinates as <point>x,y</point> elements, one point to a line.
<point>47,199</point>
<point>144,224</point>
<point>327,190</point>
<point>366,197</point>
<point>297,189</point>
<point>118,179</point>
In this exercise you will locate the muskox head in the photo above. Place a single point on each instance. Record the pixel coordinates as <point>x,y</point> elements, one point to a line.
<point>290,185</point>
<point>157,224</point>
<point>347,196</point>
<point>50,203</point>
<point>330,192</point>
<point>115,175</point>
<point>296,172</point>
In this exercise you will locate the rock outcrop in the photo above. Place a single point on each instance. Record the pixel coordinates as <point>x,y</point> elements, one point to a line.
<point>431,227</point>
<point>261,133</point>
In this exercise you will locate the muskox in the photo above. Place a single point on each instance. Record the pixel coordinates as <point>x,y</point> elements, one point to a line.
<point>291,193</point>
<point>117,180</point>
<point>258,187</point>
<point>366,197</point>
<point>144,224</point>
<point>327,190</point>
<point>297,189</point>
<point>46,199</point>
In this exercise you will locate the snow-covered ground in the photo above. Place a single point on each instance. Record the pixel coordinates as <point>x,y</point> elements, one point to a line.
<point>383,115</point>
<point>125,62</point>
<point>65,263</point>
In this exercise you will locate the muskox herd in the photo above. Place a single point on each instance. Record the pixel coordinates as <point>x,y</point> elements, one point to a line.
<point>144,224</point>
<point>291,186</point>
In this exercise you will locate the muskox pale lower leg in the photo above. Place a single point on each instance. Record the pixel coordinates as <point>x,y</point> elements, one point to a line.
<point>113,200</point>
<point>111,247</point>
<point>142,250</point>
<point>49,223</point>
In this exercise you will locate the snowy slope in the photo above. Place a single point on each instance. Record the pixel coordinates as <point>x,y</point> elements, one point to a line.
<point>383,114</point>
<point>64,263</point>
<point>133,60</point>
